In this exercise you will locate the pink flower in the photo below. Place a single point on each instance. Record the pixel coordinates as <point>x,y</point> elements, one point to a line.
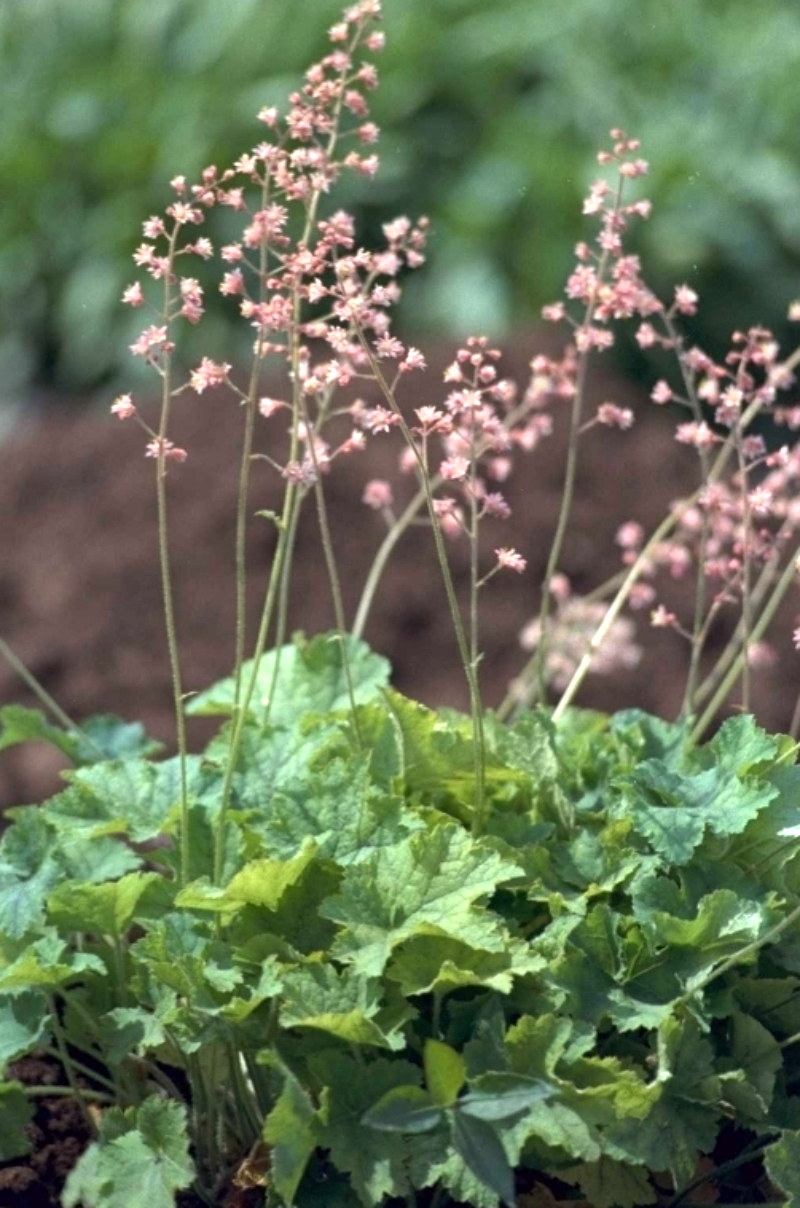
<point>685,300</point>
<point>123,406</point>
<point>133,295</point>
<point>377,494</point>
<point>268,406</point>
<point>697,434</point>
<point>661,619</point>
<point>615,417</point>
<point>232,283</point>
<point>208,373</point>
<point>509,559</point>
<point>453,469</point>
<point>661,393</point>
<point>171,451</point>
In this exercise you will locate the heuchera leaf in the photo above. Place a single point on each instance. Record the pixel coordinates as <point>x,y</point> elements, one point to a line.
<point>425,884</point>
<point>782,1161</point>
<point>105,909</point>
<point>445,1072</point>
<point>259,883</point>
<point>343,1004</point>
<point>340,807</point>
<point>99,738</point>
<point>140,1160</point>
<point>310,679</point>
<point>133,798</point>
<point>47,963</point>
<point>289,1131</point>
<point>24,1020</point>
<point>610,1184</point>
<point>375,1160</point>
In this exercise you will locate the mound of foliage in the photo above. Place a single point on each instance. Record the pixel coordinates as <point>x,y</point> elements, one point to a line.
<point>385,993</point>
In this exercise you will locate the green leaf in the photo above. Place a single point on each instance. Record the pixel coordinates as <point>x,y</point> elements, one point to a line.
<point>126,1030</point>
<point>755,1052</point>
<point>482,1151</point>
<point>259,883</point>
<point>47,963</point>
<point>445,1072</point>
<point>375,1159</point>
<point>610,1184</point>
<point>98,738</point>
<point>132,798</point>
<point>140,1160</point>
<point>339,805</point>
<point>404,1109</point>
<point>345,1004</point>
<point>105,909</point>
<point>24,1020</point>
<point>310,679</point>
<point>782,1161</point>
<point>16,1112</point>
<point>425,884</point>
<point>289,1131</point>
<point>438,963</point>
<point>499,1096</point>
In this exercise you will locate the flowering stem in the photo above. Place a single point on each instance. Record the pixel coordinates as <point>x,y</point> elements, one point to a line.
<point>614,609</point>
<point>333,575</point>
<point>379,562</point>
<point>699,632</point>
<point>470,672</point>
<point>757,632</point>
<point>166,575</point>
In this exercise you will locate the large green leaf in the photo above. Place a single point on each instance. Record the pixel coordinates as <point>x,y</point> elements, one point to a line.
<point>139,1161</point>
<point>782,1161</point>
<point>340,807</point>
<point>105,909</point>
<point>374,1159</point>
<point>24,1024</point>
<point>47,964</point>
<point>133,798</point>
<point>429,883</point>
<point>290,1132</point>
<point>347,1004</point>
<point>305,677</point>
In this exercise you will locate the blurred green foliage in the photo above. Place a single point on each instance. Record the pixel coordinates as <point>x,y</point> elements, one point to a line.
<point>491,110</point>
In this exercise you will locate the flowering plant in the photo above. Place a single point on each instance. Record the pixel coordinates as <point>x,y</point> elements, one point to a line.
<point>365,949</point>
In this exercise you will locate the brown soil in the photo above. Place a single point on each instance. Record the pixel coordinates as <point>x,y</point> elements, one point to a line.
<point>79,587</point>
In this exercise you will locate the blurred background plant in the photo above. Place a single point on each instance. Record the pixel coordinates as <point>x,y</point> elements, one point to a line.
<point>491,110</point>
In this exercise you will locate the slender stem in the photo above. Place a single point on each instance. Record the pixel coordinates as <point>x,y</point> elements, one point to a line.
<point>68,1066</point>
<point>44,696</point>
<point>614,609</point>
<point>758,631</point>
<point>476,707</point>
<point>381,559</point>
<point>768,575</point>
<point>333,576</point>
<point>81,1068</point>
<point>64,1092</point>
<point>166,573</point>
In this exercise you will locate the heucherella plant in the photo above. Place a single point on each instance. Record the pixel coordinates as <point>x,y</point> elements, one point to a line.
<point>364,950</point>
